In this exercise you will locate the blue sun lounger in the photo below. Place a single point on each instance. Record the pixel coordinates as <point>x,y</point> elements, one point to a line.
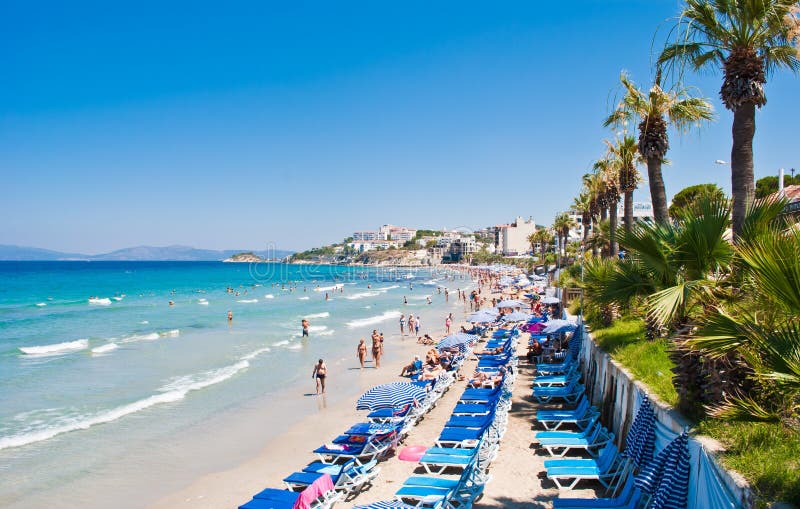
<point>567,476</point>
<point>569,393</point>
<point>348,477</point>
<point>592,443</point>
<point>272,498</point>
<point>580,416</point>
<point>628,498</point>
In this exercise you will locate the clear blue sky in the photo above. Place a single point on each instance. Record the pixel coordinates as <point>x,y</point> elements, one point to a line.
<point>236,124</point>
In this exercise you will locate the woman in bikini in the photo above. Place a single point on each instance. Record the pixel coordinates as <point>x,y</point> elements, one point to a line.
<point>361,353</point>
<point>319,373</point>
<point>376,349</point>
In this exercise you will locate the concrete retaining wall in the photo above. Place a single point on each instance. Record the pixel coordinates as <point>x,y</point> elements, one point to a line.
<point>613,390</point>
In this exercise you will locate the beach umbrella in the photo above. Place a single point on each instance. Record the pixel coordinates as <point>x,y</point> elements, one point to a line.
<point>391,395</point>
<point>557,326</point>
<point>385,504</point>
<point>484,315</point>
<point>456,339</point>
<point>516,316</point>
<point>641,440</point>
<point>666,478</point>
<point>509,304</point>
<point>551,300</point>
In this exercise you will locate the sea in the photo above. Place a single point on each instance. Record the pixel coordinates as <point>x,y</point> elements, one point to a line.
<point>116,376</point>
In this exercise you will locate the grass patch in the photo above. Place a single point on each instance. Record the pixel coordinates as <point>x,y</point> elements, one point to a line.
<point>647,360</point>
<point>766,454</point>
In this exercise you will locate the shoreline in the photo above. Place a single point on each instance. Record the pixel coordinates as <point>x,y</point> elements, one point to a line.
<point>291,449</point>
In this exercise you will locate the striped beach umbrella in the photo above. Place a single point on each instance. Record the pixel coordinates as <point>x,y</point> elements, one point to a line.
<point>385,504</point>
<point>483,316</point>
<point>391,395</point>
<point>456,339</point>
<point>509,304</point>
<point>641,440</point>
<point>666,478</point>
<point>557,326</point>
<point>516,316</point>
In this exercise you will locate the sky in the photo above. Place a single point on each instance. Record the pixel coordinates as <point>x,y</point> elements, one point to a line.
<point>254,124</point>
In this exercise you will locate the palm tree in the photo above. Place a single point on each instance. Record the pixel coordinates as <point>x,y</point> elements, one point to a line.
<point>608,198</point>
<point>748,39</point>
<point>543,237</point>
<point>532,240</point>
<point>657,110</point>
<point>583,205</point>
<point>624,157</point>
<point>561,226</point>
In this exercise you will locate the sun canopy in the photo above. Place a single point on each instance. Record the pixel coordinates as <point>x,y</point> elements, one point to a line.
<point>391,395</point>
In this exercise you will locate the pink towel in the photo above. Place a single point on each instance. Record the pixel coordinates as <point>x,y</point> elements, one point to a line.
<point>315,490</point>
<point>538,327</point>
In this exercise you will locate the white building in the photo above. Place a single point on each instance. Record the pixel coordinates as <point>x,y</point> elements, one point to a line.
<point>369,236</point>
<point>512,239</point>
<point>402,234</point>
<point>363,246</point>
<point>641,211</point>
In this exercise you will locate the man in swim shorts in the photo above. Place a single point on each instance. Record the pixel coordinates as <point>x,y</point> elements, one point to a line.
<point>304,323</point>
<point>319,373</point>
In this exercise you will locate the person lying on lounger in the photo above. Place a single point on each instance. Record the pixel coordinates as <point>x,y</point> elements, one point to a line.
<point>490,351</point>
<point>481,378</point>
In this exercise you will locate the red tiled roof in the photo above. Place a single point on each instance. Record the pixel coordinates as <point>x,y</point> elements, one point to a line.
<point>792,193</point>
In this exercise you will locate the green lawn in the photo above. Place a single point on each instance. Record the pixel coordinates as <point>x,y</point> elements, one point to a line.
<point>647,360</point>
<point>766,454</point>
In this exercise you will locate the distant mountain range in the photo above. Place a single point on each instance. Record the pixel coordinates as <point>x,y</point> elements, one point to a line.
<point>138,253</point>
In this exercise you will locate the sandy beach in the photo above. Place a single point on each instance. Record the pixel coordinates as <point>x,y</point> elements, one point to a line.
<point>291,450</point>
<point>514,474</point>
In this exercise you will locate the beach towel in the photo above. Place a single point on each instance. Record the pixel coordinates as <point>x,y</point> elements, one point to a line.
<point>314,491</point>
<point>538,327</point>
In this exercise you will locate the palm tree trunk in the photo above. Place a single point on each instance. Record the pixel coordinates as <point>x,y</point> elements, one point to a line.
<point>742,180</point>
<point>603,214</point>
<point>628,211</point>
<point>658,193</point>
<point>612,229</point>
<point>586,226</point>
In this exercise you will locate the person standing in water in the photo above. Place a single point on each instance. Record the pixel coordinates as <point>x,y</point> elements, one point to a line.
<point>230,316</point>
<point>304,323</point>
<point>361,352</point>
<point>319,373</point>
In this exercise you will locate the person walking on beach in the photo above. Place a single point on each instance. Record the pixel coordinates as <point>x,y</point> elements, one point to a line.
<point>402,325</point>
<point>319,373</point>
<point>418,323</point>
<point>361,352</point>
<point>447,323</point>
<point>376,348</point>
<point>304,323</point>
<point>412,326</point>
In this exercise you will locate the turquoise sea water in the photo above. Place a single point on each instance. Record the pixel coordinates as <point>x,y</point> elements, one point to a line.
<point>84,382</point>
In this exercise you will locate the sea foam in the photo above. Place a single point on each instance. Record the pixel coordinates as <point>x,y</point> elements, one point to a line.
<point>55,349</point>
<point>104,348</point>
<point>100,302</point>
<point>362,295</point>
<point>319,315</point>
<point>248,301</point>
<point>363,322</point>
<point>173,391</point>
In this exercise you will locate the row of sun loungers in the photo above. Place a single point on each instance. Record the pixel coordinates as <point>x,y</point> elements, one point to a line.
<point>581,448</point>
<point>349,463</point>
<point>457,465</point>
